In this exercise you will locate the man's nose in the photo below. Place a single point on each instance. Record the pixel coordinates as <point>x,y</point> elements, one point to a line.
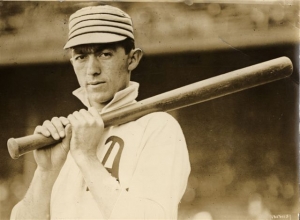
<point>93,65</point>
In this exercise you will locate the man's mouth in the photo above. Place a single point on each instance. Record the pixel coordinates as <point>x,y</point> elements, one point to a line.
<point>94,83</point>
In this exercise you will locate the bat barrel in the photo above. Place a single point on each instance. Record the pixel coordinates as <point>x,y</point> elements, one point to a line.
<point>204,90</point>
<point>195,93</point>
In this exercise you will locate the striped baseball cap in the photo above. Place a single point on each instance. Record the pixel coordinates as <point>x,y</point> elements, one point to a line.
<point>98,24</point>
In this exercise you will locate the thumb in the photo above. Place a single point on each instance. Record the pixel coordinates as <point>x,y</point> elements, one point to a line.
<point>67,139</point>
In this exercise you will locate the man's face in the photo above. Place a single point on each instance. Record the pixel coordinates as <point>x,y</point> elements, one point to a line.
<point>102,70</point>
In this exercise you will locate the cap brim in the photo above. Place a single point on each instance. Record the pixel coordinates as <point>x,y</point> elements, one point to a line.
<point>94,38</point>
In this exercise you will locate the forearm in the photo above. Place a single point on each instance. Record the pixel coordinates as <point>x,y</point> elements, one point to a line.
<point>104,188</point>
<point>114,202</point>
<point>36,203</point>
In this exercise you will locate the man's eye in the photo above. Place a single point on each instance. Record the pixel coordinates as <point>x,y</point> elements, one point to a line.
<point>80,57</point>
<point>105,55</point>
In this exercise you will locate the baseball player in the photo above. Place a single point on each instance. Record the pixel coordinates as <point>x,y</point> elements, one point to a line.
<point>137,170</point>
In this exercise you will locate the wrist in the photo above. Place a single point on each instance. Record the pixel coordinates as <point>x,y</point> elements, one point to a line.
<point>46,173</point>
<point>86,159</point>
<point>91,166</point>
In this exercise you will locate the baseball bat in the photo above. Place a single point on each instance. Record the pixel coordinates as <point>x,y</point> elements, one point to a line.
<point>195,93</point>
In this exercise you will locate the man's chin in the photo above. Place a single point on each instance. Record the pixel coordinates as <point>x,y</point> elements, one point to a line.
<point>99,99</point>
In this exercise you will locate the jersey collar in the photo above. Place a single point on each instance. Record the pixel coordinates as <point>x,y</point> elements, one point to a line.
<point>121,98</point>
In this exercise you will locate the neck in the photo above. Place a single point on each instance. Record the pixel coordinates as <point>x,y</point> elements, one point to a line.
<point>99,106</point>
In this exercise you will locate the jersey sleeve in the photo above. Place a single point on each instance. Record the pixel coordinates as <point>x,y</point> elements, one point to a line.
<point>161,173</point>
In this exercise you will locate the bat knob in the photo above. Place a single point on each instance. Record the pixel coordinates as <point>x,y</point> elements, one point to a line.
<point>13,148</point>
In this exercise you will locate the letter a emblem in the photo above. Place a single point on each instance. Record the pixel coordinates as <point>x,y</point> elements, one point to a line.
<point>117,145</point>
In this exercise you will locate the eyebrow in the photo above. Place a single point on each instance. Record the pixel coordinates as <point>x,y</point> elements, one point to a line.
<point>87,49</point>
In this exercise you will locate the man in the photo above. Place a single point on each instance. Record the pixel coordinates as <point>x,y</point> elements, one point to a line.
<point>137,170</point>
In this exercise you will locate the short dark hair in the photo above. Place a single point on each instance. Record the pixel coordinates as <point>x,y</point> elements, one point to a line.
<point>127,45</point>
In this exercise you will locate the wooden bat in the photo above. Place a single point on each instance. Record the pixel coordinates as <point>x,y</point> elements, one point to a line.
<point>198,92</point>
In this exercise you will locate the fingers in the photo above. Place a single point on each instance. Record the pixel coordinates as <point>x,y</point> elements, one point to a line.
<point>88,117</point>
<point>54,128</point>
<point>82,115</point>
<point>42,130</point>
<point>64,121</point>
<point>51,128</point>
<point>65,144</point>
<point>59,130</point>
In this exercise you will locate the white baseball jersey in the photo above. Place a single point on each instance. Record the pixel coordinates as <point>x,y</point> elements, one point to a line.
<point>149,158</point>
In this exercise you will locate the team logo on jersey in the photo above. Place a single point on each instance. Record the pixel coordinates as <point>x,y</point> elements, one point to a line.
<point>112,157</point>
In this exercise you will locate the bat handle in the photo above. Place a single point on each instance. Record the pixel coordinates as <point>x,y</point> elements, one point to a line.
<point>19,146</point>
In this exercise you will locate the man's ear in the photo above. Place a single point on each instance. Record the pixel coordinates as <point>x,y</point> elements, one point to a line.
<point>135,56</point>
<point>71,56</point>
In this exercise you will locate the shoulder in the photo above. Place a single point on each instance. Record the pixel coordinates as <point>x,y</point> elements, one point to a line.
<point>162,134</point>
<point>160,125</point>
<point>158,119</point>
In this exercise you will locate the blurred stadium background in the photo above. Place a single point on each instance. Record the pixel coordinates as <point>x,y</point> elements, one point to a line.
<point>243,147</point>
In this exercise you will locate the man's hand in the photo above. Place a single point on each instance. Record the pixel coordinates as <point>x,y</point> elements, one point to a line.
<point>87,130</point>
<point>53,157</point>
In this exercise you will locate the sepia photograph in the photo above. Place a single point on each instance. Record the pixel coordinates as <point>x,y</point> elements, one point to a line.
<point>183,110</point>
